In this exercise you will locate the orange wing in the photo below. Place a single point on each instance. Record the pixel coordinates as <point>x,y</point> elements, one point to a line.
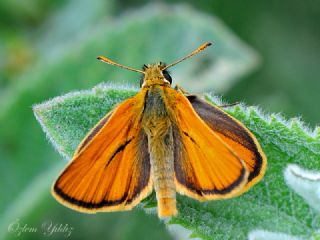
<point>236,135</point>
<point>110,170</point>
<point>205,166</point>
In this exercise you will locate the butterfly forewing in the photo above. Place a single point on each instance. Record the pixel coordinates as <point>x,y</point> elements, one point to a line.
<point>112,170</point>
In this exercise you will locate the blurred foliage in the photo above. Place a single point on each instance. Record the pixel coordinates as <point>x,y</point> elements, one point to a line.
<point>45,51</point>
<point>18,22</point>
<point>270,205</point>
<point>286,34</point>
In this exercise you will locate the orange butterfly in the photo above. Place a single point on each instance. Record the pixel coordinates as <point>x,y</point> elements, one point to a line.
<point>161,139</point>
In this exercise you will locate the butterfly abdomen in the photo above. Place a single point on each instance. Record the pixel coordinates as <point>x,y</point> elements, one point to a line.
<point>158,127</point>
<point>162,171</point>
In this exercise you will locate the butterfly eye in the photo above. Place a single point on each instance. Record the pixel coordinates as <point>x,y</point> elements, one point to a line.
<point>167,76</point>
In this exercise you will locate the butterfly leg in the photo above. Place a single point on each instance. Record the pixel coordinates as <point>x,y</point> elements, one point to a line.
<point>183,91</point>
<point>229,105</point>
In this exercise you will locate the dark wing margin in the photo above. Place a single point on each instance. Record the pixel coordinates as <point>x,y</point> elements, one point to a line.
<point>237,136</point>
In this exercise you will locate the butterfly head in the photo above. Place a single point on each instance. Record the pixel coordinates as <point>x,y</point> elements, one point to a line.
<point>155,74</point>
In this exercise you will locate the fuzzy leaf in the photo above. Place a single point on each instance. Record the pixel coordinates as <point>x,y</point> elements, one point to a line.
<point>270,205</point>
<point>305,183</point>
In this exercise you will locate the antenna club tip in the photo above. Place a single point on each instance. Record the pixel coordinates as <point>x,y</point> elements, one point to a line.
<point>104,59</point>
<point>205,45</point>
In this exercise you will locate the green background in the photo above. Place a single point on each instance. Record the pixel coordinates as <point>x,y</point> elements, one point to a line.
<point>34,35</point>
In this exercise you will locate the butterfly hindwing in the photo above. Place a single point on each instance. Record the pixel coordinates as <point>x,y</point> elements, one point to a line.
<point>111,171</point>
<point>236,135</point>
<point>205,167</point>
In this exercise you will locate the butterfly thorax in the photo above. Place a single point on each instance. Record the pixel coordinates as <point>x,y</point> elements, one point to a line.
<point>156,119</point>
<point>155,112</point>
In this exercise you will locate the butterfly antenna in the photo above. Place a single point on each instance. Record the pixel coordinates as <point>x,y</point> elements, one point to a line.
<point>107,60</point>
<point>199,49</point>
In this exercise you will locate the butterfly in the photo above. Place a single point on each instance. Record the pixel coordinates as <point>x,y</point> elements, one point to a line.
<point>162,139</point>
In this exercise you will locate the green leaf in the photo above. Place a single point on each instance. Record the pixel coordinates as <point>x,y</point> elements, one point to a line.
<point>305,183</point>
<point>270,206</point>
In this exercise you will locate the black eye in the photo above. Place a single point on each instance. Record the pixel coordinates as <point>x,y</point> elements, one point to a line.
<point>167,76</point>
